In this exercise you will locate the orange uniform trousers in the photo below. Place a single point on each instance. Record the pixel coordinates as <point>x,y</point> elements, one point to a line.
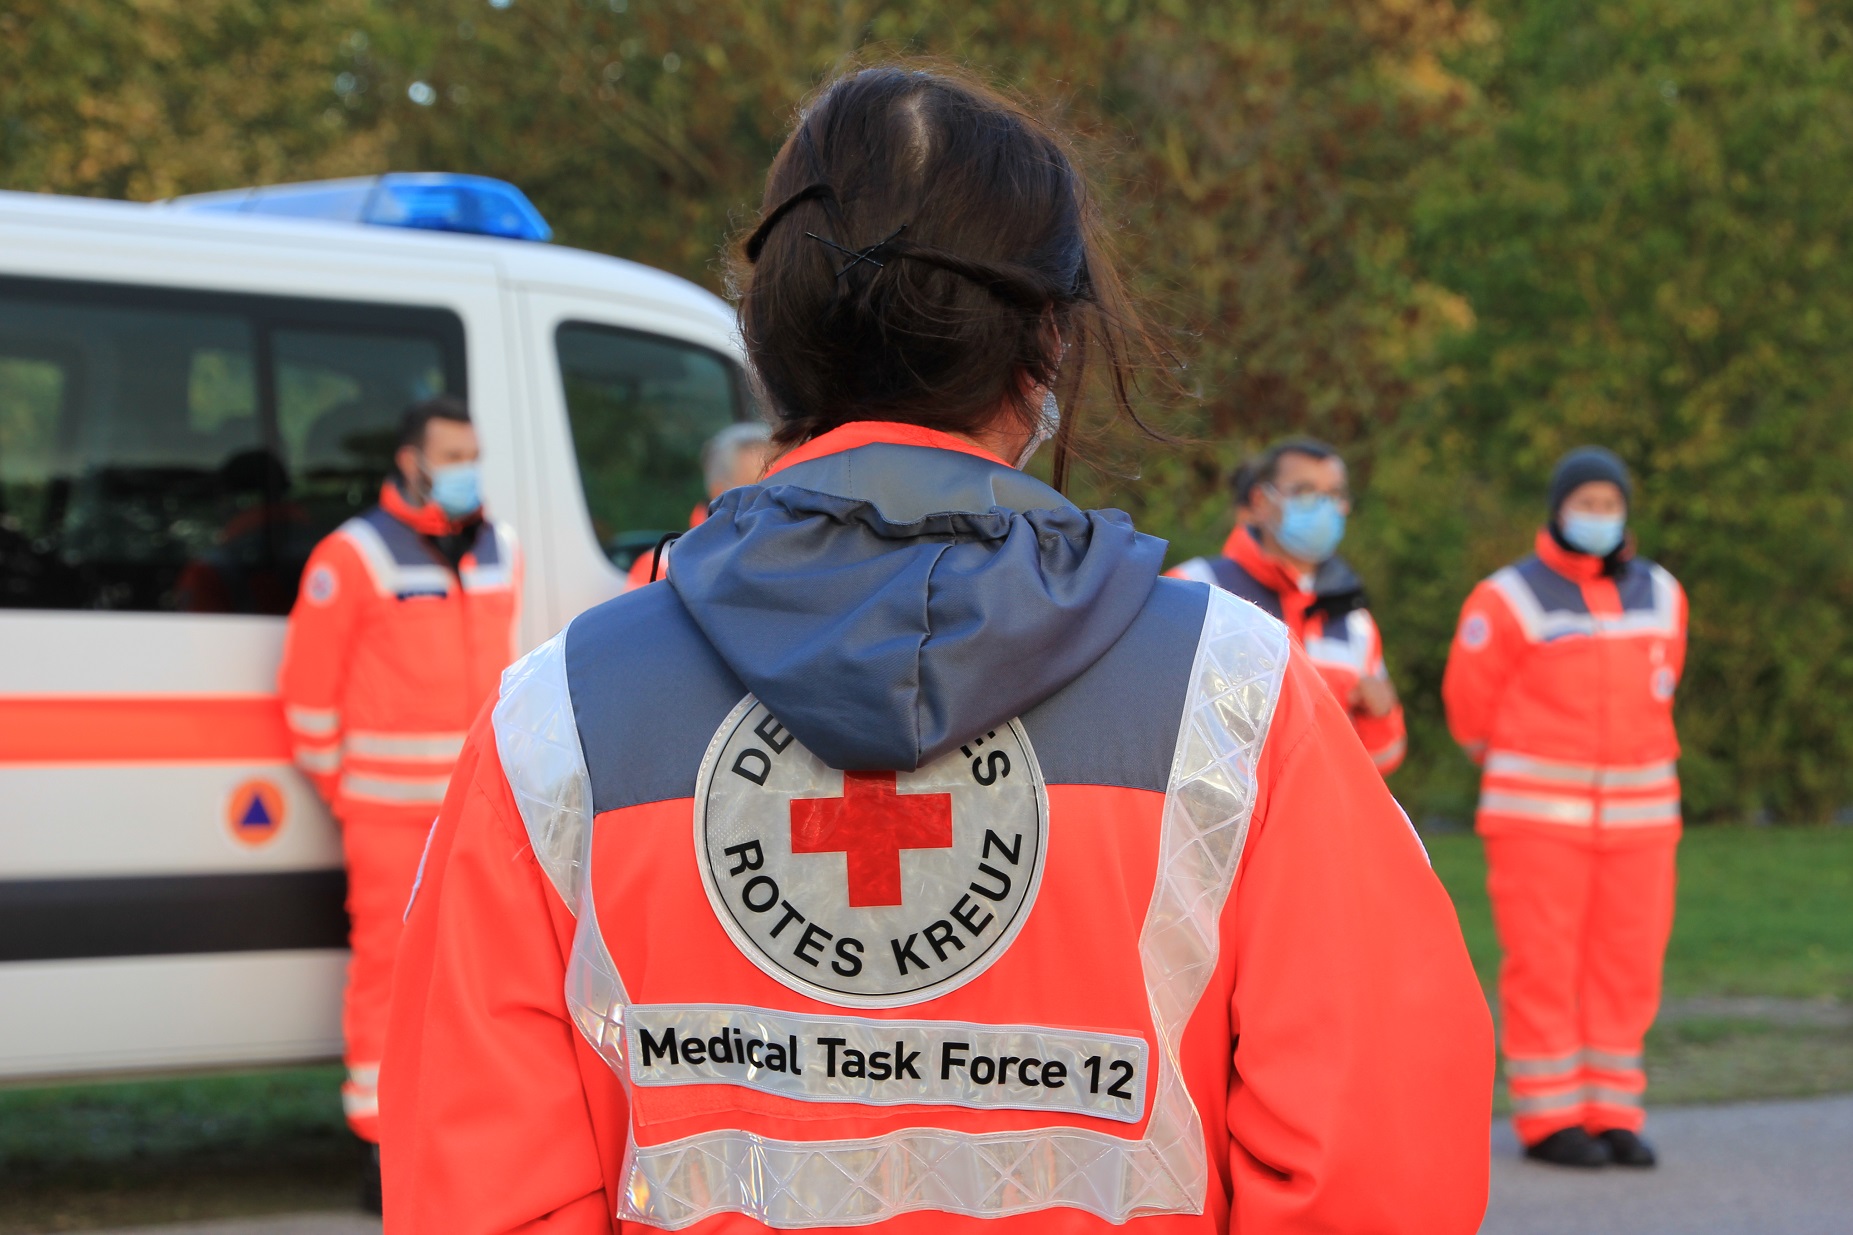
<point>1584,929</point>
<point>383,845</point>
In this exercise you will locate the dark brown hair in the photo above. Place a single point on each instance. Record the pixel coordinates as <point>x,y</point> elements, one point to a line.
<point>417,417</point>
<point>919,236</point>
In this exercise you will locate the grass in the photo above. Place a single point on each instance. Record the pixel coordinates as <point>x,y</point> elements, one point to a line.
<point>136,1152</point>
<point>1763,914</point>
<point>1765,917</point>
<point>1762,911</point>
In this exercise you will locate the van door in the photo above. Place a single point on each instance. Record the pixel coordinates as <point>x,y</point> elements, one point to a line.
<point>626,398</point>
<point>170,889</point>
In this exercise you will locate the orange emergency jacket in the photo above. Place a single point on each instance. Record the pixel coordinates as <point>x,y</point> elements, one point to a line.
<point>1325,614</point>
<point>390,652</point>
<point>1560,685</point>
<point>1158,945</point>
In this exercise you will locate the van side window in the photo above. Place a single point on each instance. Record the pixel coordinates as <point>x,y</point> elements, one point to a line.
<point>174,451</point>
<point>640,407</point>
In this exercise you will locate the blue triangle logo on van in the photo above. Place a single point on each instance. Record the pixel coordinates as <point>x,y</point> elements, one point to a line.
<point>256,815</point>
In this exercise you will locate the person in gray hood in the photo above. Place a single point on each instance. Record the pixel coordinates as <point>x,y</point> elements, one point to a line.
<point>918,854</point>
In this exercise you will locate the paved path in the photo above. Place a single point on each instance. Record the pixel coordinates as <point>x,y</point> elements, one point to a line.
<point>1765,1168</point>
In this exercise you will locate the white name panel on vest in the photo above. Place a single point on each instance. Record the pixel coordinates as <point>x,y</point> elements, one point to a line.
<point>888,1062</point>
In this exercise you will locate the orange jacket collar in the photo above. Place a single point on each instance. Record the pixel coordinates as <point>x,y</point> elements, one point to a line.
<point>868,432</point>
<point>428,519</point>
<point>1245,551</point>
<point>1569,563</point>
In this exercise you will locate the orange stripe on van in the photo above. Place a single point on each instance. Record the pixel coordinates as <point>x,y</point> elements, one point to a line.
<point>142,728</point>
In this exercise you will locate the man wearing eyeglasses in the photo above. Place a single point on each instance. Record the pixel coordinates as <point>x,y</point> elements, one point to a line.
<point>1291,503</point>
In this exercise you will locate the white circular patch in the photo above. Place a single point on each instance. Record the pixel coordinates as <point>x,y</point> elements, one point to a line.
<point>1664,683</point>
<point>321,585</point>
<point>869,889</point>
<point>1475,632</point>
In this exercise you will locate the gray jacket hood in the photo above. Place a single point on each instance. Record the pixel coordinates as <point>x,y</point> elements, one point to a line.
<point>889,602</point>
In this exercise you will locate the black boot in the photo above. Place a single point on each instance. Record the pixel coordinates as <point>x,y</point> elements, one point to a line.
<point>1570,1147</point>
<point>1627,1149</point>
<point>370,1201</point>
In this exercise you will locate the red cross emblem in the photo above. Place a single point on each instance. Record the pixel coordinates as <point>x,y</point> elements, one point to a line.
<point>870,825</point>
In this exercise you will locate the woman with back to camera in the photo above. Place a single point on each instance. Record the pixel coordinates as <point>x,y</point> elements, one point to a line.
<point>919,857</point>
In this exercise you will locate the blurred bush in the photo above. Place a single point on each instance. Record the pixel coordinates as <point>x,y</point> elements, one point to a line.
<point>1455,239</point>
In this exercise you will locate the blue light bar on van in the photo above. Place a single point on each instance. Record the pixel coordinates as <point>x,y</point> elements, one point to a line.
<point>431,201</point>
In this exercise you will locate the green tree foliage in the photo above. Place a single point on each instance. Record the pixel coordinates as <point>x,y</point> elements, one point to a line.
<point>1453,239</point>
<point>1651,226</point>
<point>144,99</point>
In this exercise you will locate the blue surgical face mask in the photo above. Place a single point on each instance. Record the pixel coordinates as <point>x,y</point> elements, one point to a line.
<point>1596,535</point>
<point>457,489</point>
<point>1311,526</point>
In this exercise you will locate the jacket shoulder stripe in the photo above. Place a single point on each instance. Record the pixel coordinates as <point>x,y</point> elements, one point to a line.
<point>390,575</point>
<point>537,740</point>
<point>1197,570</point>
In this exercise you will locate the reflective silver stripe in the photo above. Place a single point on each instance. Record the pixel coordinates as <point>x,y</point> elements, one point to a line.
<point>1536,623</point>
<point>1612,1061</point>
<point>478,578</point>
<point>1353,652</point>
<point>1608,1095</point>
<point>1528,806</point>
<point>1531,767</point>
<point>1241,656</point>
<point>1638,777</point>
<point>1657,810</point>
<point>319,758</point>
<point>1390,753</point>
<point>390,576</point>
<point>405,745</point>
<point>1347,654</point>
<point>313,722</point>
<point>1542,1104</point>
<point>378,788</point>
<point>1560,1066</point>
<point>1507,763</point>
<point>1198,570</point>
<point>1539,626</point>
<point>360,1096</point>
<point>537,741</point>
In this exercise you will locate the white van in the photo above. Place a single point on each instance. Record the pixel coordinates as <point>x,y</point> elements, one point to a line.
<point>191,396</point>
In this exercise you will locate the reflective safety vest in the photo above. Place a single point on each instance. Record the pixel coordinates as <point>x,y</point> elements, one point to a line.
<point>1560,684</point>
<point>1161,947</point>
<point>391,652</point>
<point>1326,615</point>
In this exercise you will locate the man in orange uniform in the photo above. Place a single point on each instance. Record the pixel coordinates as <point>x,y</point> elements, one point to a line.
<point>405,620</point>
<point>915,858</point>
<point>1291,502</point>
<point>1560,685</point>
<point>735,456</point>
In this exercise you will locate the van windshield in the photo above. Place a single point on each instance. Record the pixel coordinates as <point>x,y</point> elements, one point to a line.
<point>641,406</point>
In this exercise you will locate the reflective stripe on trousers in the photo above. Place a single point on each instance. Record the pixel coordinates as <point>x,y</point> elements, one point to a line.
<point>1235,681</point>
<point>402,790</point>
<point>313,722</point>
<point>360,1093</point>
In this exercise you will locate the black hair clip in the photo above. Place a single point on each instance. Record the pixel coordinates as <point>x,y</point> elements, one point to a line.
<point>858,256</point>
<point>812,192</point>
